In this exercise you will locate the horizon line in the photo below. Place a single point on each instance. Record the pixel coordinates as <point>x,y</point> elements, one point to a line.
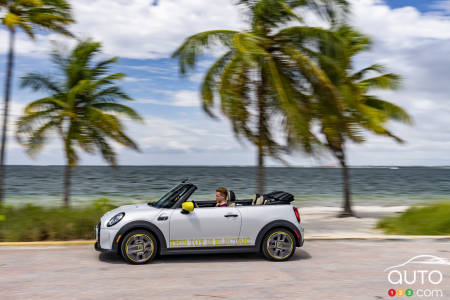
<point>243,166</point>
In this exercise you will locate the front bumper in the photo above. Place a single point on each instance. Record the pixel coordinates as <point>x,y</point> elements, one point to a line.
<point>100,249</point>
<point>104,238</point>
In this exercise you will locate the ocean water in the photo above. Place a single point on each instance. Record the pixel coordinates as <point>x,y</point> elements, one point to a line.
<point>311,186</point>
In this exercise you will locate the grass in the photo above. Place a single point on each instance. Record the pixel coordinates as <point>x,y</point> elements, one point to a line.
<point>429,220</point>
<point>34,223</point>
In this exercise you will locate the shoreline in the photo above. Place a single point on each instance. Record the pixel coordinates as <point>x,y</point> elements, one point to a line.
<point>303,202</point>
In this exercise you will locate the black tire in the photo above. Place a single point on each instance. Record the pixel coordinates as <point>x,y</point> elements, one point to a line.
<point>278,244</point>
<point>139,239</point>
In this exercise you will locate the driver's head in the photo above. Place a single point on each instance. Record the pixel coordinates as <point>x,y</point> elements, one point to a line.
<point>221,195</point>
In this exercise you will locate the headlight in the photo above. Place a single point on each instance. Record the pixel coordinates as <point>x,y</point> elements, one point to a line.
<point>116,219</point>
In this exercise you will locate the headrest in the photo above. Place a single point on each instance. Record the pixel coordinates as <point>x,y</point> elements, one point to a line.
<point>231,196</point>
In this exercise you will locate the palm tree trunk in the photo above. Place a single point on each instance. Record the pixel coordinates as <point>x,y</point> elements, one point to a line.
<point>8,83</point>
<point>67,184</point>
<point>261,173</point>
<point>347,206</point>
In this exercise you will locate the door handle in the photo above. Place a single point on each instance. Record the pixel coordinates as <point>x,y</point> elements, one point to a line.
<point>231,216</point>
<point>162,218</point>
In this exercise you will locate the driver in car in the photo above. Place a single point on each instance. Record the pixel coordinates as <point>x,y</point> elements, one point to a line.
<point>221,197</point>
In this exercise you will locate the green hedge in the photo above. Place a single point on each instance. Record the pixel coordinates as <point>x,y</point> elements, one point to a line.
<point>34,223</point>
<point>428,220</point>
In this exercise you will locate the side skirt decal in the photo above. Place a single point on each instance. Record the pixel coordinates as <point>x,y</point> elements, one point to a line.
<point>204,250</point>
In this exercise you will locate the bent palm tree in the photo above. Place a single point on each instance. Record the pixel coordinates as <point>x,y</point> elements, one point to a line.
<point>362,110</point>
<point>82,108</point>
<point>264,77</point>
<point>28,15</point>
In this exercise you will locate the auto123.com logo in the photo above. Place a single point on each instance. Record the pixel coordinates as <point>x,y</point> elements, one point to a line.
<point>421,276</point>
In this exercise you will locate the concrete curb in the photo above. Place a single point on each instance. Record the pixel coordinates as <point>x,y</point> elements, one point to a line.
<point>307,238</point>
<point>49,243</point>
<point>378,238</point>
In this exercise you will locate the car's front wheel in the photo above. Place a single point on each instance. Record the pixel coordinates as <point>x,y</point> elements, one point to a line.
<point>139,247</point>
<point>278,244</point>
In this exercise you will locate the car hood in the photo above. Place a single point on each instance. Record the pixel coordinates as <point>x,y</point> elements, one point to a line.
<point>130,210</point>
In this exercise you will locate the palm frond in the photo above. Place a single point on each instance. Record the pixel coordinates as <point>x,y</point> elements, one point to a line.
<point>37,82</point>
<point>302,35</point>
<point>194,46</point>
<point>106,150</point>
<point>103,66</point>
<point>298,118</point>
<point>37,138</point>
<point>393,111</point>
<point>378,68</point>
<point>118,109</point>
<point>110,94</point>
<point>250,46</point>
<point>30,15</point>
<point>319,81</point>
<point>209,82</point>
<point>388,81</point>
<point>45,103</point>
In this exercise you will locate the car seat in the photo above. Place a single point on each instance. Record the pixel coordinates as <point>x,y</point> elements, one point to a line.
<point>260,200</point>
<point>231,198</point>
<point>257,199</point>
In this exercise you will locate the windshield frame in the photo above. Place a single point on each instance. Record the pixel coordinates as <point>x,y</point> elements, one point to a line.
<point>173,197</point>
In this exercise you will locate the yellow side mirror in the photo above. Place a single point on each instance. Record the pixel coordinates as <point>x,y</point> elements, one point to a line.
<point>188,206</point>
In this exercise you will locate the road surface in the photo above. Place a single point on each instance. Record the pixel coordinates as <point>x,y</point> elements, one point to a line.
<point>319,270</point>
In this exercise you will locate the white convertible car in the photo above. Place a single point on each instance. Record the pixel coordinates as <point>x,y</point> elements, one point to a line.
<point>175,224</point>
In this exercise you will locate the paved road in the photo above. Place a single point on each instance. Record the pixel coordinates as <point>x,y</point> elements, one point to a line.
<point>319,270</point>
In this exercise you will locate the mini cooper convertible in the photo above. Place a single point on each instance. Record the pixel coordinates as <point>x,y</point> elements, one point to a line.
<point>177,224</point>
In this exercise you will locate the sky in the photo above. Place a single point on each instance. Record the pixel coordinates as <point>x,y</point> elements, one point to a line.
<point>411,37</point>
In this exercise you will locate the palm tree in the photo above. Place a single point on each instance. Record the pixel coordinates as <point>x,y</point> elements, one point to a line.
<point>361,109</point>
<point>82,108</point>
<point>28,15</point>
<point>264,76</point>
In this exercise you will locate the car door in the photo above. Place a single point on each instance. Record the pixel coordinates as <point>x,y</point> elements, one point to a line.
<point>205,227</point>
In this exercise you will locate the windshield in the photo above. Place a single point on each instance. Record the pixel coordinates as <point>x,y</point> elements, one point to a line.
<point>170,198</point>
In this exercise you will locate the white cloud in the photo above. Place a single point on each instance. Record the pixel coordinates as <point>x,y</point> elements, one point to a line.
<point>186,98</point>
<point>400,29</point>
<point>135,79</point>
<point>137,29</point>
<point>183,135</point>
<point>182,98</point>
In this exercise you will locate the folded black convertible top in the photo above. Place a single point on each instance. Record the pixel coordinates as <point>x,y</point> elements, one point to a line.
<point>278,197</point>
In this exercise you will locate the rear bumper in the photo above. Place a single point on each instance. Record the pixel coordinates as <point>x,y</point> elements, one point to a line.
<point>302,240</point>
<point>302,236</point>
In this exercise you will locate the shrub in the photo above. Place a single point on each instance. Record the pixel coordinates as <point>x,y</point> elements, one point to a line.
<point>428,220</point>
<point>34,223</point>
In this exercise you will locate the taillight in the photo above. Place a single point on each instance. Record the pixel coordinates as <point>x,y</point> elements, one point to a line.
<point>297,214</point>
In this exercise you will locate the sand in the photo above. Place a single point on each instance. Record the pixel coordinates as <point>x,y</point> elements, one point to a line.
<point>322,222</point>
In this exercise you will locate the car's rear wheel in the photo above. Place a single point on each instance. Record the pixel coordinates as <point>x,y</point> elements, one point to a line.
<point>278,244</point>
<point>139,247</point>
